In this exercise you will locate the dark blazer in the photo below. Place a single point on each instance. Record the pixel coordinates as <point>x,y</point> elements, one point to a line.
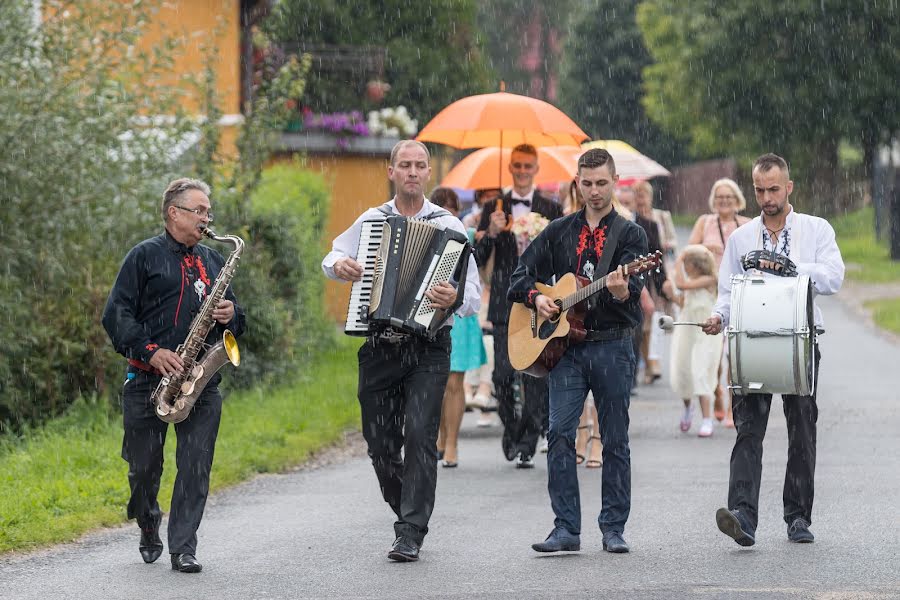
<point>506,254</point>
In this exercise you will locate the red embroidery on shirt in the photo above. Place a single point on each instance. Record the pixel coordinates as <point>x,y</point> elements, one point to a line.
<point>151,347</point>
<point>195,261</point>
<point>531,296</point>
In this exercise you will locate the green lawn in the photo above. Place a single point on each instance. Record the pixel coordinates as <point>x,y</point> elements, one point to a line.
<point>886,313</point>
<point>867,260</point>
<point>67,477</point>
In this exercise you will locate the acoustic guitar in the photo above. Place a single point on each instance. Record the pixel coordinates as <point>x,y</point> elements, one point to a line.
<point>536,344</point>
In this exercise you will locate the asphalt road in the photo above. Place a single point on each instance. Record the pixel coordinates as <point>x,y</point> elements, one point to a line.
<point>325,532</point>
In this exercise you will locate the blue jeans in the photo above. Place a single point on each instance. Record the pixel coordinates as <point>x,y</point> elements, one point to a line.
<point>606,369</point>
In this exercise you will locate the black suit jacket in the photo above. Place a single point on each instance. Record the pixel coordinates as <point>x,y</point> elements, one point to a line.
<point>506,254</point>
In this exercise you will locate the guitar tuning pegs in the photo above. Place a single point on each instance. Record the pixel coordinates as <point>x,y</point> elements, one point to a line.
<point>657,268</point>
<point>641,276</point>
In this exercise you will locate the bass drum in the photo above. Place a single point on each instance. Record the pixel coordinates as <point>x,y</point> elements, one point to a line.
<point>771,335</point>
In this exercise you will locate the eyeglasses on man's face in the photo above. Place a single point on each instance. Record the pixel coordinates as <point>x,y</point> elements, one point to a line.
<point>200,212</point>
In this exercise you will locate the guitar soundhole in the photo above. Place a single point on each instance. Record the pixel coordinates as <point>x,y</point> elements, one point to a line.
<point>547,328</point>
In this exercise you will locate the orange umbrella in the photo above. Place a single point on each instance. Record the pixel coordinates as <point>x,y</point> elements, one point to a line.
<point>501,119</point>
<point>480,169</point>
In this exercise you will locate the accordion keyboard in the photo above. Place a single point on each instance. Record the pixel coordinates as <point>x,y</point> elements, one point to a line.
<point>361,291</point>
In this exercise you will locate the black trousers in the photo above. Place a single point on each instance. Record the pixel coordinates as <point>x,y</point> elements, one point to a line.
<point>520,432</point>
<point>142,447</point>
<point>751,415</point>
<point>401,390</point>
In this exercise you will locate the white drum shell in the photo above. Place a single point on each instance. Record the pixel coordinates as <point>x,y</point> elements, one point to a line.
<point>771,335</point>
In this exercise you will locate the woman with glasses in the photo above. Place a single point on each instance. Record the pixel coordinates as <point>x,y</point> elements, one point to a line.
<point>713,230</point>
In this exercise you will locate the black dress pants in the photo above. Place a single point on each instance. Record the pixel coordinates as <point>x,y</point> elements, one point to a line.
<point>751,415</point>
<point>520,432</point>
<point>401,391</point>
<point>142,447</point>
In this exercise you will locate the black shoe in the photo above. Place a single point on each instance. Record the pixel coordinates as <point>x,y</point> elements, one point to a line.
<point>404,550</point>
<point>524,461</point>
<point>509,446</point>
<point>733,524</point>
<point>151,546</point>
<point>799,532</point>
<point>559,540</point>
<point>615,543</point>
<point>185,563</point>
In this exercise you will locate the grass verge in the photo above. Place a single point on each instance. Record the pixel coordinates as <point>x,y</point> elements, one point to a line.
<point>867,259</point>
<point>66,478</point>
<point>886,313</point>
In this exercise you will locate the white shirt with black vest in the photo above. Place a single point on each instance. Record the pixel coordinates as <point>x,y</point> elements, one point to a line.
<point>347,244</point>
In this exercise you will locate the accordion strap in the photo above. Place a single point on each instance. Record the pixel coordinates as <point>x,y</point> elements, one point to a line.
<point>385,209</point>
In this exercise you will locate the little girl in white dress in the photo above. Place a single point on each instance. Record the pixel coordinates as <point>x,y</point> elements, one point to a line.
<point>695,355</point>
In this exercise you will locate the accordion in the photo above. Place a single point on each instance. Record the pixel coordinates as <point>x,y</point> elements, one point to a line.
<point>401,259</point>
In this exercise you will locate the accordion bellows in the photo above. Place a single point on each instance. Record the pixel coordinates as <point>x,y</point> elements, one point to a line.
<point>401,259</point>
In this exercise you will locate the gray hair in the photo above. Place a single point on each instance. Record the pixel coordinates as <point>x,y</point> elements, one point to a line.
<point>733,186</point>
<point>404,143</point>
<point>177,188</point>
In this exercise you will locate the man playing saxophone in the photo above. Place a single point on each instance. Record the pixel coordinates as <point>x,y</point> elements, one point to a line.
<point>158,294</point>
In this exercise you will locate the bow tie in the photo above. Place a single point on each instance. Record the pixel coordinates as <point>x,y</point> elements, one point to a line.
<point>514,201</point>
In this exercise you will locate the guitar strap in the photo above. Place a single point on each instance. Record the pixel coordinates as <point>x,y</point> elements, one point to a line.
<point>609,248</point>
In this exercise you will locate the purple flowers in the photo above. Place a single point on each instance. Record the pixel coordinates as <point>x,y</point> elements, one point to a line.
<point>342,124</point>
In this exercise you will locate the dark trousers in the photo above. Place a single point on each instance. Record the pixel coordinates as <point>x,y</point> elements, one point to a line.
<point>751,416</point>
<point>142,447</point>
<point>401,390</point>
<point>520,432</point>
<point>607,370</point>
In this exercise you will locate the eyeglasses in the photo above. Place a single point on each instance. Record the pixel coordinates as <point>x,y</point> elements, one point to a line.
<point>726,197</point>
<point>197,211</point>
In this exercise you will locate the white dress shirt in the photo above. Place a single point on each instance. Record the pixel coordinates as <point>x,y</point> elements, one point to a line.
<point>807,240</point>
<point>518,209</point>
<point>347,244</point>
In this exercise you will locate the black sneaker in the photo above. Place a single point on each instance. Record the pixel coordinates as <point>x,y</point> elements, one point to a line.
<point>798,532</point>
<point>733,524</point>
<point>524,461</point>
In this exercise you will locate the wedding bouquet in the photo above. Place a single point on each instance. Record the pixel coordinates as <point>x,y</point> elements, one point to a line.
<point>527,227</point>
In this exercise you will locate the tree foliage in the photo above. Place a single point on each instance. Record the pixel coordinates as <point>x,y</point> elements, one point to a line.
<point>790,77</point>
<point>433,51</point>
<point>602,82</point>
<point>81,165</point>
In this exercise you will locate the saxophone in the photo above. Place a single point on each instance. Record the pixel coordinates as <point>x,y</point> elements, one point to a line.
<point>175,396</point>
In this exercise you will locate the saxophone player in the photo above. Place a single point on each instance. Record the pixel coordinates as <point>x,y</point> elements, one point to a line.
<point>160,288</point>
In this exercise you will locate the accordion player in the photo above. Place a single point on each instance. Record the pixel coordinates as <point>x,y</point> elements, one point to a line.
<point>401,259</point>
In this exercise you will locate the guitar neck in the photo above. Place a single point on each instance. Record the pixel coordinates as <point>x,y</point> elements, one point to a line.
<point>583,294</point>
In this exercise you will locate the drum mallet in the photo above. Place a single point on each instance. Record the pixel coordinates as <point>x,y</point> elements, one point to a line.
<point>666,323</point>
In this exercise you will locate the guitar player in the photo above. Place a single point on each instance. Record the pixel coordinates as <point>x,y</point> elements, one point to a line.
<point>590,243</point>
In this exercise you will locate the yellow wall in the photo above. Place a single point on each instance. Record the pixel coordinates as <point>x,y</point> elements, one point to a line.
<point>201,27</point>
<point>356,183</point>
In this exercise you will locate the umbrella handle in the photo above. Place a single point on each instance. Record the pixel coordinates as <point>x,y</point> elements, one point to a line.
<point>499,208</point>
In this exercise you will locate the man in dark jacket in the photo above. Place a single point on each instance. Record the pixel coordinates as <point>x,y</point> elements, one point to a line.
<point>159,290</point>
<point>520,435</point>
<point>592,243</point>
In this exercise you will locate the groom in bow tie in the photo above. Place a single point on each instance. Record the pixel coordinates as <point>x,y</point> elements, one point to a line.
<point>520,435</point>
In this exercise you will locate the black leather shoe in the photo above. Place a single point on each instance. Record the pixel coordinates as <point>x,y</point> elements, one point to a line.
<point>404,550</point>
<point>185,563</point>
<point>733,524</point>
<point>151,546</point>
<point>799,532</point>
<point>509,446</point>
<point>559,540</point>
<point>615,543</point>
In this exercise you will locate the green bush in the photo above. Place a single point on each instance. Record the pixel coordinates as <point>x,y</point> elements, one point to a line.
<point>279,282</point>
